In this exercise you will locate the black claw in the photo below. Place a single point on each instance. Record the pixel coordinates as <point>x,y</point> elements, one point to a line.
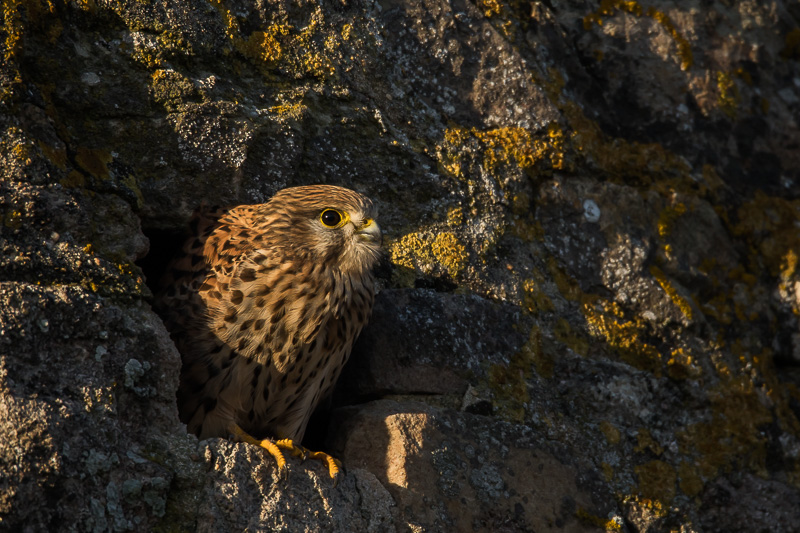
<point>283,473</point>
<point>305,454</point>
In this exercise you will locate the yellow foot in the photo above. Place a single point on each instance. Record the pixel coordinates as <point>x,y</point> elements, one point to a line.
<point>304,453</point>
<point>274,448</point>
<point>271,447</point>
<point>332,463</point>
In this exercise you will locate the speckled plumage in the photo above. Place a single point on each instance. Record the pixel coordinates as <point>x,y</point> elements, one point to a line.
<point>264,305</point>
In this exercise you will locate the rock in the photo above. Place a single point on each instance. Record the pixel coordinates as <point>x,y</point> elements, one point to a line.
<point>243,491</point>
<point>590,216</point>
<point>437,464</point>
<point>85,442</point>
<point>423,342</point>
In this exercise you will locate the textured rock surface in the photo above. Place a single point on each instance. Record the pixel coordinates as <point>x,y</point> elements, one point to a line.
<point>590,310</point>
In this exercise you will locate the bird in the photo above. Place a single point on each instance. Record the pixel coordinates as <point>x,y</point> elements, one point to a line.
<point>264,303</point>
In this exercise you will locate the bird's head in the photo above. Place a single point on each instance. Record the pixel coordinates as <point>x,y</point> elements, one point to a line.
<point>333,224</point>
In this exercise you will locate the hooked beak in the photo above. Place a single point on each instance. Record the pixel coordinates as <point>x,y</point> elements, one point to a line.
<point>370,231</point>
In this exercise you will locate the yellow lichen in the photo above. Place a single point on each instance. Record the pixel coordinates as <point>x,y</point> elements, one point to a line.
<point>12,219</point>
<point>728,98</point>
<point>684,48</point>
<point>263,46</point>
<point>295,49</point>
<point>449,252</point>
<point>667,218</point>
<point>455,216</point>
<point>427,250</point>
<point>289,110</point>
<point>22,152</point>
<point>609,8</point>
<point>170,88</point>
<point>622,161</point>
<point>490,7</point>
<point>587,518</point>
<point>681,365</point>
<point>504,146</point>
<point>605,319</point>
<point>534,299</point>
<point>788,265</point>
<point>681,302</point>
<point>769,226</point>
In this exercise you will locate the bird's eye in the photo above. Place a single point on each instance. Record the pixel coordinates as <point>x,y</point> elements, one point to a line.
<point>330,218</point>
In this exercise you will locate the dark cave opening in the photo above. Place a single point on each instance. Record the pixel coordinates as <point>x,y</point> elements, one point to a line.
<point>164,244</point>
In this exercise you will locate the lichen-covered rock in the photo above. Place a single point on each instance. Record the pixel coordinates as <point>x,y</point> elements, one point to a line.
<point>450,471</point>
<point>590,214</point>
<point>243,492</point>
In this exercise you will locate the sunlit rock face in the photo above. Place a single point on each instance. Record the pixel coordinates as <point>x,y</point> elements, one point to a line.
<point>590,290</point>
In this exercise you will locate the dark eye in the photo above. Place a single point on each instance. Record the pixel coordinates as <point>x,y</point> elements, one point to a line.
<point>330,218</point>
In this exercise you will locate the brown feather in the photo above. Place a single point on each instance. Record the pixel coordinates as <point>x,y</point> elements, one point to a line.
<point>264,303</point>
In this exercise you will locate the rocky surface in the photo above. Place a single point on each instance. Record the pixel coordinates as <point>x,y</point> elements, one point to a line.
<point>589,315</point>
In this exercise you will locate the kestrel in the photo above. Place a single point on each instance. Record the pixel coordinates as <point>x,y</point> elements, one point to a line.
<point>264,304</point>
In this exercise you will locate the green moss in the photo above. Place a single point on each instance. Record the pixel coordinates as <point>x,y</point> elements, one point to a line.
<point>791,45</point>
<point>18,18</point>
<point>645,442</point>
<point>733,438</point>
<point>94,161</point>
<point>576,342</point>
<point>689,481</point>
<point>769,226</point>
<point>567,286</point>
<point>657,481</point>
<point>57,156</point>
<point>508,383</point>
<point>610,432</point>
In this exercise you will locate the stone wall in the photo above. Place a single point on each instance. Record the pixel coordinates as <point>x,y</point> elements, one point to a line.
<point>590,299</point>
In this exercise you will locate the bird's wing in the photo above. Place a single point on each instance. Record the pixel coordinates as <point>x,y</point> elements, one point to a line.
<point>281,297</point>
<point>177,299</point>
